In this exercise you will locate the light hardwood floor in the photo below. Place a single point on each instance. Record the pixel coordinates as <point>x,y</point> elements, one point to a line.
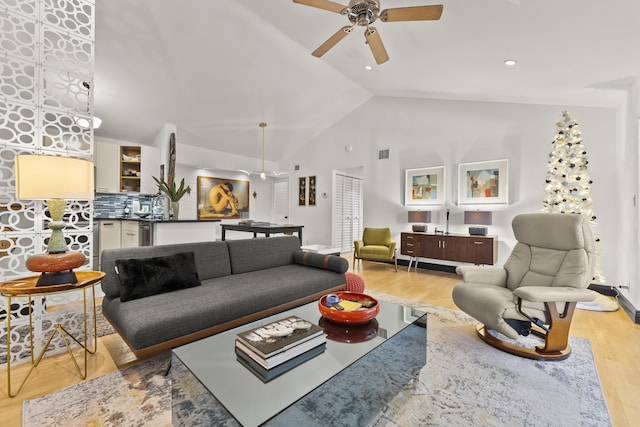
<point>615,341</point>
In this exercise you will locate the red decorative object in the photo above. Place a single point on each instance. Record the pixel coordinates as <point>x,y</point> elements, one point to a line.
<point>341,332</point>
<point>356,317</point>
<point>355,283</point>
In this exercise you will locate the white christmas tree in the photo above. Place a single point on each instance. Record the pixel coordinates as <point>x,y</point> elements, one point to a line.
<point>568,182</point>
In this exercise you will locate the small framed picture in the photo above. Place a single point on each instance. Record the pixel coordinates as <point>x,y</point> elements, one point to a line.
<point>483,183</point>
<point>312,190</point>
<point>302,191</point>
<point>424,186</point>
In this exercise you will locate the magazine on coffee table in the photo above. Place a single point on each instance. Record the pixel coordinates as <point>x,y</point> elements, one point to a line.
<point>279,336</point>
<point>283,356</point>
<point>268,374</point>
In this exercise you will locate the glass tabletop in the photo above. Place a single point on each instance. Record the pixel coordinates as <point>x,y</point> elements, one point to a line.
<point>213,361</point>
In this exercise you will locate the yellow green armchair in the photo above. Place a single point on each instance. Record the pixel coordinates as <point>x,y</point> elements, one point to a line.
<point>376,245</point>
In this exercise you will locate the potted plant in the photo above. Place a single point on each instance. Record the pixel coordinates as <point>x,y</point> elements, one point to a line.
<point>173,193</point>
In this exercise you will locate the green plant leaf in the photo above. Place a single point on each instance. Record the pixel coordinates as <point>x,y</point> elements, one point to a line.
<point>169,189</point>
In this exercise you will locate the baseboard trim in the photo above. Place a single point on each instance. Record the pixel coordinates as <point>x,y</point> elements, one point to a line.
<point>626,305</point>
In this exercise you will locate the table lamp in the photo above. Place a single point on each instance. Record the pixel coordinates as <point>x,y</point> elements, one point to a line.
<point>56,180</point>
<point>478,219</point>
<point>421,217</point>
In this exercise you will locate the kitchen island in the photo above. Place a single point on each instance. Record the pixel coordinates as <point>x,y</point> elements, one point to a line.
<point>167,232</point>
<point>135,231</point>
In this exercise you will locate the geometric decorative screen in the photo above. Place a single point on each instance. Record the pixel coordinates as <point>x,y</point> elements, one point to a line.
<point>46,85</point>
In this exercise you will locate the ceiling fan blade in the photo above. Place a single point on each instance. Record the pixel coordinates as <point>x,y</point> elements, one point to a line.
<point>323,4</point>
<point>332,41</point>
<point>415,13</point>
<point>375,43</point>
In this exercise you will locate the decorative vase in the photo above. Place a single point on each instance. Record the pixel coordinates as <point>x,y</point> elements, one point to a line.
<point>175,210</point>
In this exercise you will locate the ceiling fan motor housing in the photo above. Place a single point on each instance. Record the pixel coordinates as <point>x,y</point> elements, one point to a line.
<point>363,12</point>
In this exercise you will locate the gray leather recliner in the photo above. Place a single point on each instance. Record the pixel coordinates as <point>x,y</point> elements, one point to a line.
<point>536,292</point>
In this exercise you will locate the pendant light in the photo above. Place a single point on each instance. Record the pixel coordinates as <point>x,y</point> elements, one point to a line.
<point>263,175</point>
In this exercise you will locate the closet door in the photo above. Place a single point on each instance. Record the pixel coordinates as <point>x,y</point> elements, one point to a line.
<point>347,211</point>
<point>338,214</point>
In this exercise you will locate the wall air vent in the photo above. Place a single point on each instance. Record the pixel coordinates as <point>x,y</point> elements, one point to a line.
<point>383,154</point>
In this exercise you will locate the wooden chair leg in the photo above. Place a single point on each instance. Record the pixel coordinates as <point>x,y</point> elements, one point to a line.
<point>557,339</point>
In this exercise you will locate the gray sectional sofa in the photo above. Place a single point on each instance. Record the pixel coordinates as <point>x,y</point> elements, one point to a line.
<point>175,294</point>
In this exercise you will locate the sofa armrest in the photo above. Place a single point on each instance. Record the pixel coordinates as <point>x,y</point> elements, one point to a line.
<point>557,294</point>
<point>392,249</point>
<point>327,262</point>
<point>357,245</point>
<point>489,275</point>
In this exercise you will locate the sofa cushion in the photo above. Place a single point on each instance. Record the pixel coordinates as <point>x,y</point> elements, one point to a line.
<point>144,277</point>
<point>328,262</point>
<point>211,258</point>
<point>261,253</point>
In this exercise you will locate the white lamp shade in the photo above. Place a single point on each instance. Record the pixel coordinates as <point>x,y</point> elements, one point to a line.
<point>43,177</point>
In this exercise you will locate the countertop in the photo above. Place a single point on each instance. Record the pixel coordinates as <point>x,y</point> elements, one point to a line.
<point>156,220</point>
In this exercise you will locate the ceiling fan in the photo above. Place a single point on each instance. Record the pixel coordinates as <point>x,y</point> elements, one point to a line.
<point>365,13</point>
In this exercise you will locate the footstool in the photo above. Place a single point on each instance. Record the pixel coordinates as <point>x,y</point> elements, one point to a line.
<point>355,283</point>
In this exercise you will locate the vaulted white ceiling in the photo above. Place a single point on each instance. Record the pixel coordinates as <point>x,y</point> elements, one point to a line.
<point>216,68</point>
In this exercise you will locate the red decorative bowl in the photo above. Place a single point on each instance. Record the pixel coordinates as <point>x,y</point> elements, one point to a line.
<point>356,317</point>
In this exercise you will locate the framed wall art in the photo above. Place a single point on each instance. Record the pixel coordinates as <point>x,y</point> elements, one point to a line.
<point>222,198</point>
<point>483,183</point>
<point>312,190</point>
<point>424,186</point>
<point>302,191</point>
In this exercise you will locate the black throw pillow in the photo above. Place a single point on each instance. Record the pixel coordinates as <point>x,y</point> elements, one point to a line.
<point>144,277</point>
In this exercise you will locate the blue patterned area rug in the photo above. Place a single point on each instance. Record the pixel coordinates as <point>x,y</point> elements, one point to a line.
<point>465,383</point>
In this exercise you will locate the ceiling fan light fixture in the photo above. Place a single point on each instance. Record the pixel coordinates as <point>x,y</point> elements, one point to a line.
<point>366,12</point>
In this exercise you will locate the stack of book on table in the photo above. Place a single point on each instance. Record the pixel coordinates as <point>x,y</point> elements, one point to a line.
<point>271,350</point>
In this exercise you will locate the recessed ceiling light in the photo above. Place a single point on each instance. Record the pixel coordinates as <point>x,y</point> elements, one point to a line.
<point>510,62</point>
<point>367,67</point>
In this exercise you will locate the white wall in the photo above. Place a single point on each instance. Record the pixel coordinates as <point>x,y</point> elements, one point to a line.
<point>424,133</point>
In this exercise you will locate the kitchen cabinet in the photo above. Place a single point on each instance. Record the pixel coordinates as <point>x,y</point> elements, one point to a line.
<point>109,235</point>
<point>130,172</point>
<point>109,165</point>
<point>107,169</point>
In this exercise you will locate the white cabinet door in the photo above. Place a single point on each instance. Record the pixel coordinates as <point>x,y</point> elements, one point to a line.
<point>109,233</point>
<point>130,235</point>
<point>107,167</point>
<point>149,168</point>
